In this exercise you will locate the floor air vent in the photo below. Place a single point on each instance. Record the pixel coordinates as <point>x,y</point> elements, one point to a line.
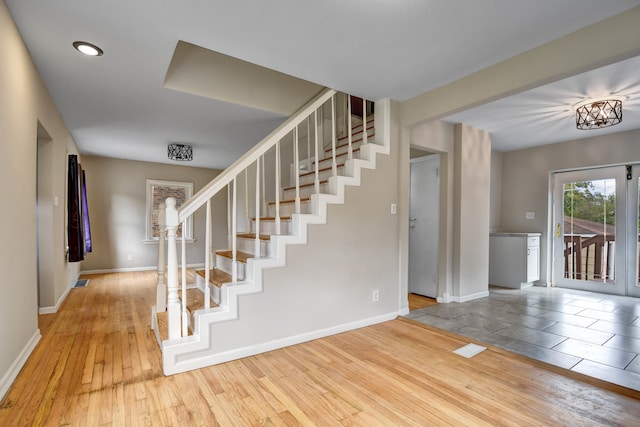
<point>81,283</point>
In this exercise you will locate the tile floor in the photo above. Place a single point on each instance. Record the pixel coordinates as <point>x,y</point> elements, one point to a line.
<point>595,334</point>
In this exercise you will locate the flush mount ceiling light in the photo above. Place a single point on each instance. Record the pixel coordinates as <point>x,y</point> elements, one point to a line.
<point>88,48</point>
<point>180,152</point>
<point>599,114</point>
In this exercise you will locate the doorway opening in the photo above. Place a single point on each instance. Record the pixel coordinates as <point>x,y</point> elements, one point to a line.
<point>424,221</point>
<point>45,200</point>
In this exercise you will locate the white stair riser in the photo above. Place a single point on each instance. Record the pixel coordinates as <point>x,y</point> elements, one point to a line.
<point>249,246</point>
<point>305,191</point>
<point>215,291</point>
<point>322,175</point>
<point>269,227</point>
<point>226,264</point>
<point>287,209</point>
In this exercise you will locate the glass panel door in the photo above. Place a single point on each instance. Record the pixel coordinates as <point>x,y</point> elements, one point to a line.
<point>589,226</point>
<point>633,213</point>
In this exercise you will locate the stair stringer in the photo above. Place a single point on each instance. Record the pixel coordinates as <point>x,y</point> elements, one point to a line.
<point>198,351</point>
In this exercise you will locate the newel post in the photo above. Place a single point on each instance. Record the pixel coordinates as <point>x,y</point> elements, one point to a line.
<point>173,300</point>
<point>161,288</point>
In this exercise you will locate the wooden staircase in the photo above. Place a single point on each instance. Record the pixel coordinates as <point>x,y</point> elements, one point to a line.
<point>246,247</point>
<point>263,244</point>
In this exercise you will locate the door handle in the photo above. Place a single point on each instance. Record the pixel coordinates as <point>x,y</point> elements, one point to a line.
<point>412,219</point>
<point>558,231</point>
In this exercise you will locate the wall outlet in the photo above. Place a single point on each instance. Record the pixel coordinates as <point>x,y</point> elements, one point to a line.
<point>529,215</point>
<point>130,257</point>
<point>376,295</point>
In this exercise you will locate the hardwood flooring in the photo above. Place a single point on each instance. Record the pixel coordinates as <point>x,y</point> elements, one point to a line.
<point>98,364</point>
<point>418,301</point>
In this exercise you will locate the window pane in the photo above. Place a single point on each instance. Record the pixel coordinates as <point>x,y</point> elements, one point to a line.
<point>589,230</point>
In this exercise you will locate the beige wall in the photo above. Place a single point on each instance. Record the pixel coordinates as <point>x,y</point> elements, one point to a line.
<point>465,174</point>
<point>116,192</point>
<point>525,179</point>
<point>472,187</point>
<point>495,211</point>
<point>24,103</point>
<point>436,137</point>
<point>346,259</point>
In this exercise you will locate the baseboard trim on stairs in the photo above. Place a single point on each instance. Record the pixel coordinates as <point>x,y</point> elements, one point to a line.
<point>217,358</point>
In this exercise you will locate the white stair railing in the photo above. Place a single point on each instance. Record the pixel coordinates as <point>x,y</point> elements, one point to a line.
<point>161,286</point>
<point>276,145</point>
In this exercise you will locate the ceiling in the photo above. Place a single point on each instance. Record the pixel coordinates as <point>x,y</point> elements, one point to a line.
<point>123,104</point>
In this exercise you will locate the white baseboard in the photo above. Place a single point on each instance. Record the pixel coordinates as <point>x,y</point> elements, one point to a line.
<point>403,311</point>
<point>131,269</point>
<point>54,309</point>
<point>471,297</point>
<point>8,378</point>
<point>171,367</point>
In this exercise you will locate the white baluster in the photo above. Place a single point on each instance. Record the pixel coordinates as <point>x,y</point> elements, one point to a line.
<point>234,232</point>
<point>207,258</point>
<point>264,191</point>
<point>185,313</point>
<point>161,287</point>
<point>334,166</point>
<point>246,200</point>
<point>317,179</point>
<point>173,299</point>
<point>257,229</point>
<point>296,167</point>
<point>278,231</point>
<point>309,143</point>
<point>350,129</point>
<point>229,215</point>
<point>364,121</point>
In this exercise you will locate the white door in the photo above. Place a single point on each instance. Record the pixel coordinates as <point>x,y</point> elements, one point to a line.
<point>423,226</point>
<point>590,230</point>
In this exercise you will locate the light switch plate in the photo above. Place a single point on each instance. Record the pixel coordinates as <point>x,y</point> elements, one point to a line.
<point>393,209</point>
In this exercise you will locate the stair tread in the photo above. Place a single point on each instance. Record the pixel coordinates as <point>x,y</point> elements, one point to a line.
<point>355,150</point>
<point>240,256</point>
<point>216,276</point>
<point>273,218</point>
<point>321,169</point>
<point>302,199</point>
<point>354,141</point>
<point>357,132</point>
<point>311,184</point>
<point>253,236</point>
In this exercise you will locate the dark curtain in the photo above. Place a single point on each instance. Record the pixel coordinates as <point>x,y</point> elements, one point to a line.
<point>88,247</point>
<point>75,226</point>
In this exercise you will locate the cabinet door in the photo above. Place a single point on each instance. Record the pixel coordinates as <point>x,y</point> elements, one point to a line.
<point>533,264</point>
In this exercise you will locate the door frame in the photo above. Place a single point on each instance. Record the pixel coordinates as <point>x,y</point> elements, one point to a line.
<point>437,159</point>
<point>633,201</point>
<point>622,267</point>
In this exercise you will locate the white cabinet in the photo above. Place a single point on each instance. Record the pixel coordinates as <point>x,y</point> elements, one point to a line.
<point>514,259</point>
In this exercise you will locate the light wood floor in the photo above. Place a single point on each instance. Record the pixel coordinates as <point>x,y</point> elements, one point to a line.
<point>418,301</point>
<point>99,365</point>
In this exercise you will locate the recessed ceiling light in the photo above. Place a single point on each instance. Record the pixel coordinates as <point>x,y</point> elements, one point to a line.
<point>88,48</point>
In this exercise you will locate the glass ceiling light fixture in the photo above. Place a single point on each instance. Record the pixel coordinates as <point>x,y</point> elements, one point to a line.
<point>88,48</point>
<point>599,114</point>
<point>180,152</point>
